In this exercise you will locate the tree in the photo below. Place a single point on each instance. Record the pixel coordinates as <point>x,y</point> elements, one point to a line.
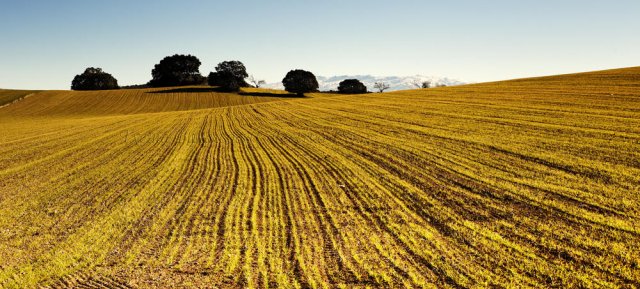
<point>256,83</point>
<point>214,79</point>
<point>352,86</point>
<point>229,76</point>
<point>300,82</point>
<point>381,86</point>
<point>94,79</point>
<point>224,80</point>
<point>236,69</point>
<point>177,70</point>
<point>423,84</point>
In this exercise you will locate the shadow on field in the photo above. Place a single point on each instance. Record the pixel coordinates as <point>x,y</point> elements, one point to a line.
<point>188,90</point>
<point>217,89</point>
<point>269,94</point>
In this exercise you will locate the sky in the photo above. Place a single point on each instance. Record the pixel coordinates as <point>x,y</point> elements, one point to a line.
<point>44,44</point>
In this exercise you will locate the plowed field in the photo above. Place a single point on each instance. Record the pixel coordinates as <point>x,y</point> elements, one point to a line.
<point>525,183</point>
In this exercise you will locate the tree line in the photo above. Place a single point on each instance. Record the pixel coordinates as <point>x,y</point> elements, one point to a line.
<point>230,76</point>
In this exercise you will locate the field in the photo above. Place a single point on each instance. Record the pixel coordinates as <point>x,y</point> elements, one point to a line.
<point>9,96</point>
<point>524,183</point>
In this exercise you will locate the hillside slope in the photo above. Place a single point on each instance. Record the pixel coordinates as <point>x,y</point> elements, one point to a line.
<point>8,96</point>
<point>133,101</point>
<point>524,183</point>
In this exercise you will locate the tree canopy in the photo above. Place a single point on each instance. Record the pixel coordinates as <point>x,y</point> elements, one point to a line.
<point>229,76</point>
<point>177,70</point>
<point>352,86</point>
<point>225,81</point>
<point>300,82</point>
<point>94,79</point>
<point>236,69</point>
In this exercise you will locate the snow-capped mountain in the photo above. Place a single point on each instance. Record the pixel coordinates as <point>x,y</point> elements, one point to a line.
<point>395,82</point>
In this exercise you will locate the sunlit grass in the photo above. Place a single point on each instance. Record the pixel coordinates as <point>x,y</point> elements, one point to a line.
<point>526,183</point>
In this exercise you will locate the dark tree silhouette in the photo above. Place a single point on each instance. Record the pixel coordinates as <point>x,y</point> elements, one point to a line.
<point>352,86</point>
<point>224,80</point>
<point>214,79</point>
<point>94,79</point>
<point>300,82</point>
<point>177,70</point>
<point>229,76</point>
<point>235,68</point>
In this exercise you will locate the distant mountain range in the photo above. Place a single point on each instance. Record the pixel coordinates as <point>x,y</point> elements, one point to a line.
<point>395,82</point>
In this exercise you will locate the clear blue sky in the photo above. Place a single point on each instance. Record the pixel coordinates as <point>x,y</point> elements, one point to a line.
<point>44,44</point>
